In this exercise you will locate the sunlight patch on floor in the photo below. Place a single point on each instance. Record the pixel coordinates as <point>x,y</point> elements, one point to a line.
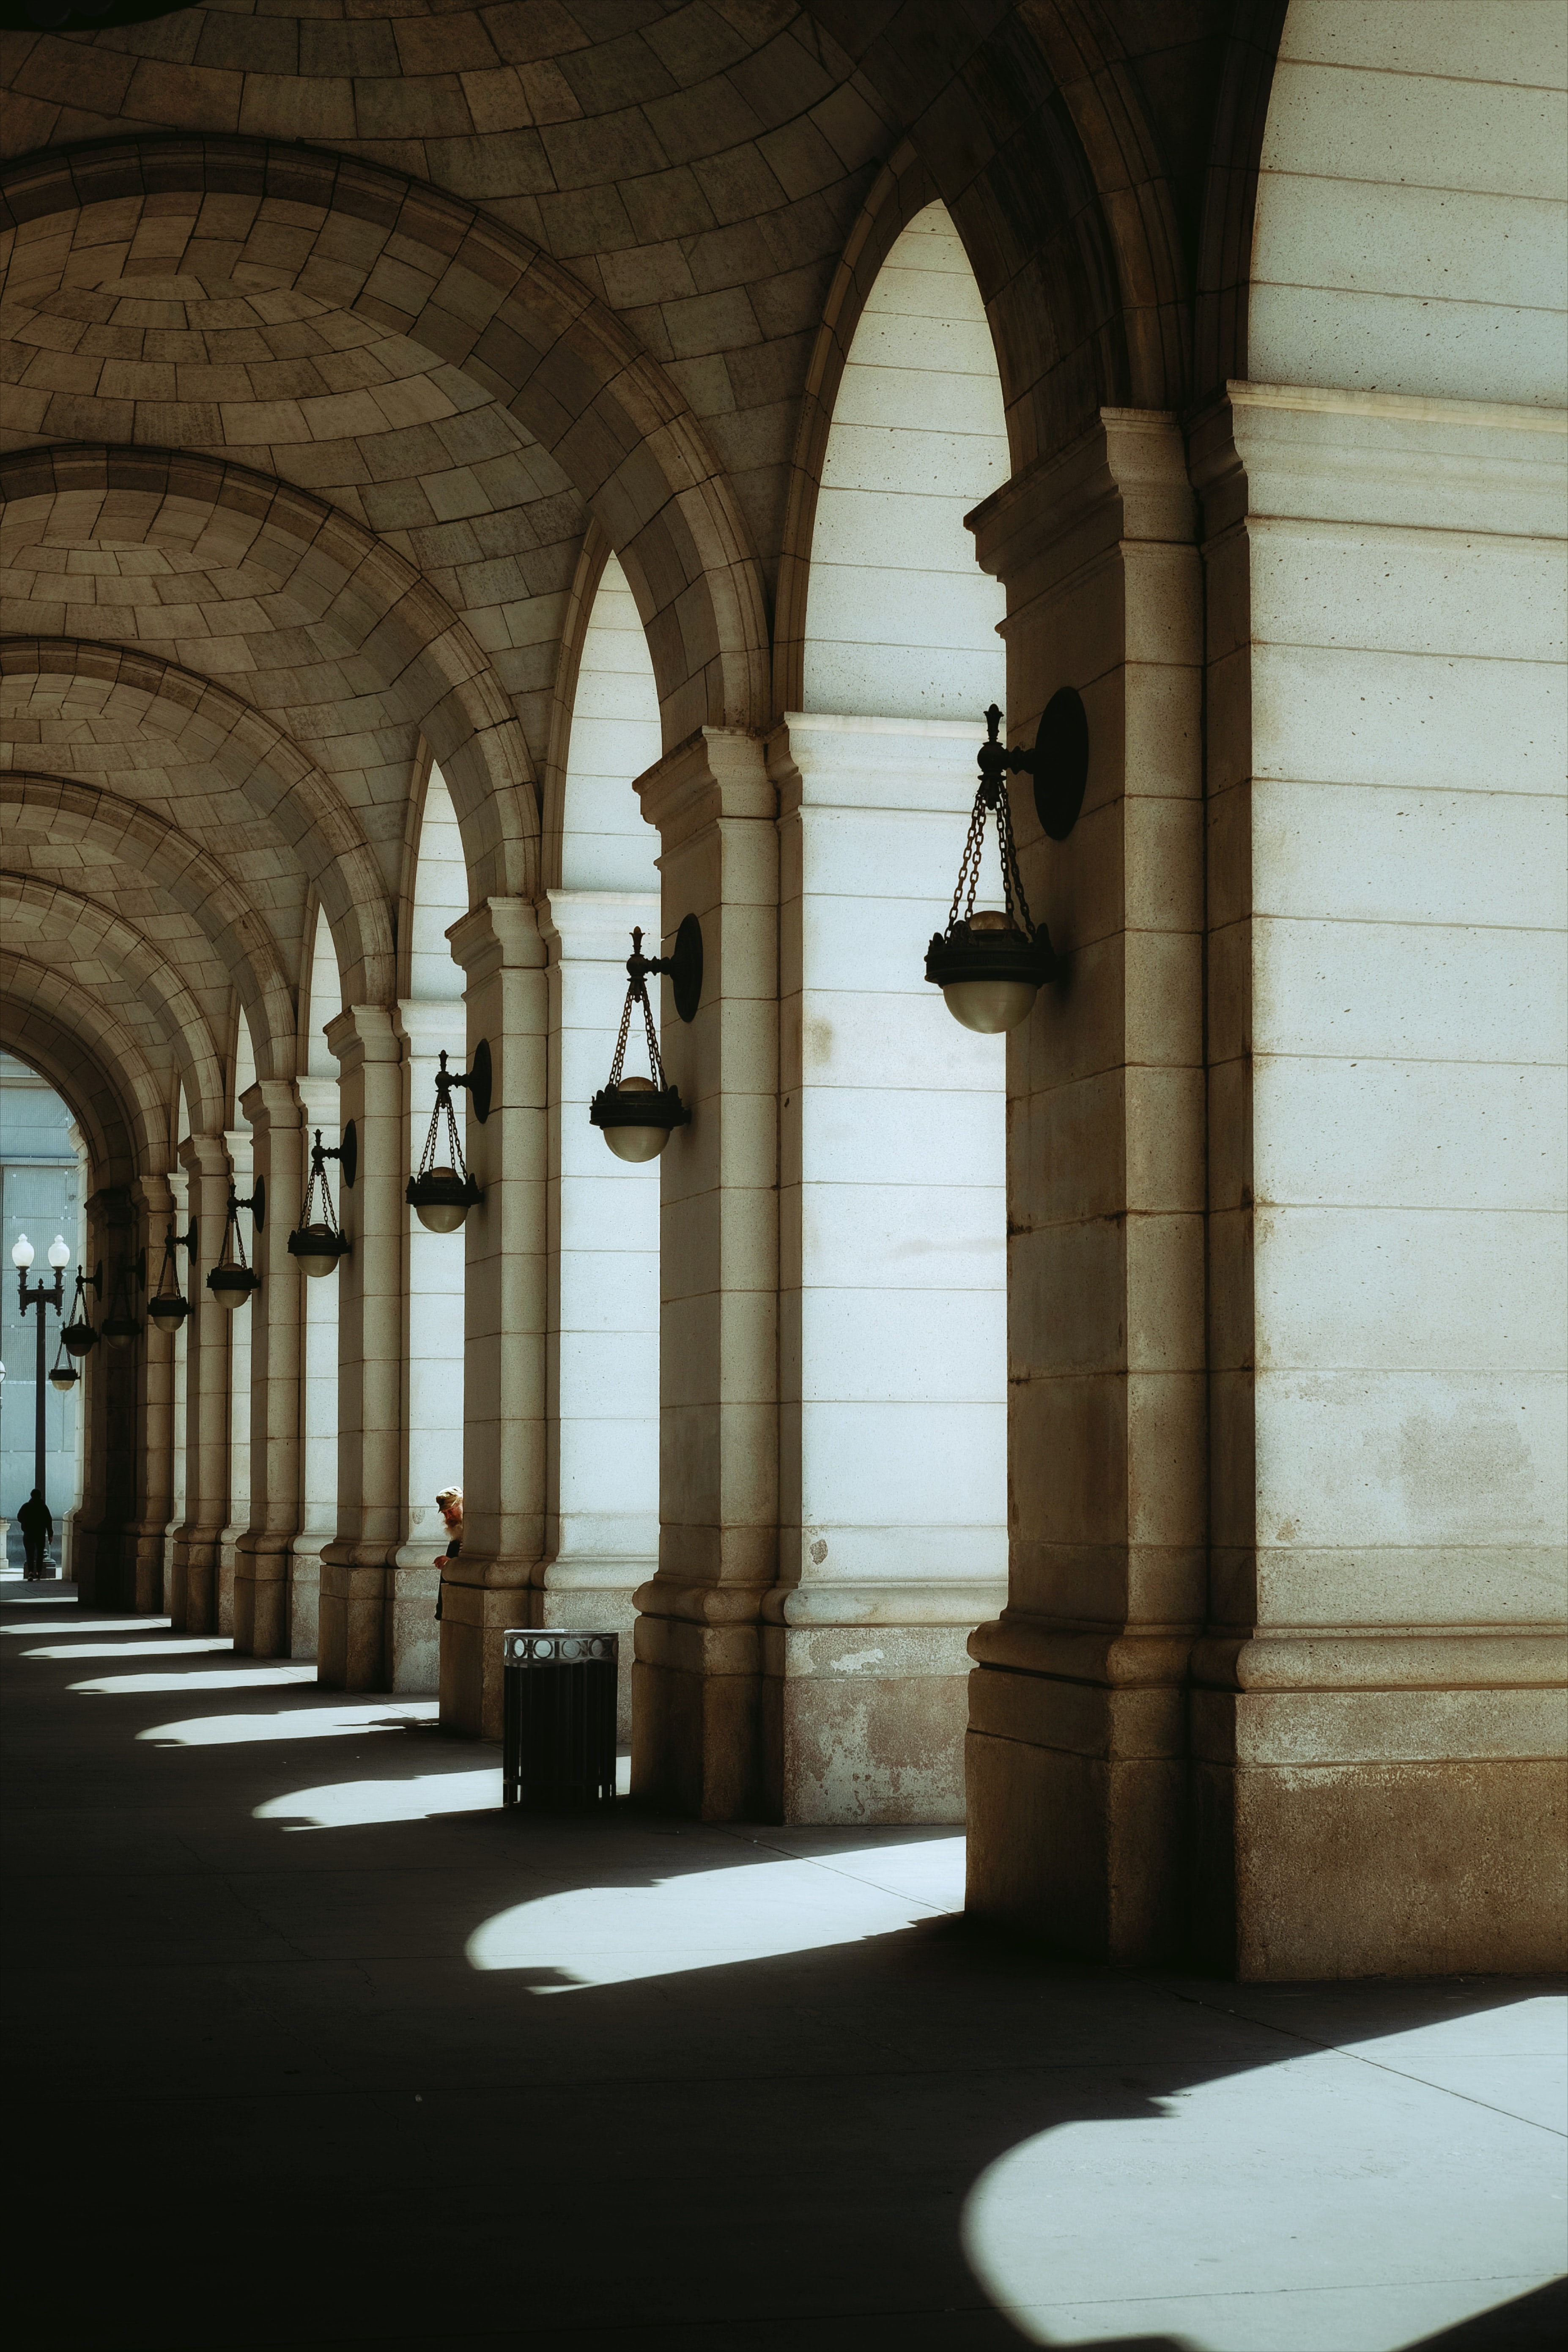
<point>713,1918</point>
<point>86,1626</point>
<point>332,1722</point>
<point>346,1805</point>
<point>168,1649</point>
<point>1319,2204</point>
<point>226,1678</point>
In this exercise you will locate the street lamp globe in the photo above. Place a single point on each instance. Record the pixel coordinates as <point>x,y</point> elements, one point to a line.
<point>60,1252</point>
<point>21,1253</point>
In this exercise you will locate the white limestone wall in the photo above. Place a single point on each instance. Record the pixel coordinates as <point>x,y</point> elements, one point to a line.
<point>892,1201</point>
<point>1408,984</point>
<point>239,1141</point>
<point>432,1019</point>
<point>602,1353</point>
<point>1410,231</point>
<point>319,1339</point>
<point>616,734</point>
<point>901,620</point>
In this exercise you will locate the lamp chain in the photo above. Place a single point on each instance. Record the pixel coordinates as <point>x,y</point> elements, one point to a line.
<point>636,992</point>
<point>458,1165</point>
<point>318,1176</point>
<point>1013,895</point>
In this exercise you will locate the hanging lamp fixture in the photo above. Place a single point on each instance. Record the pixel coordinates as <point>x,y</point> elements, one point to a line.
<point>233,1278</point>
<point>318,1241</point>
<point>168,1305</point>
<point>119,1326</point>
<point>65,1376</point>
<point>442,1193</point>
<point>990,966</point>
<point>636,1116</point>
<point>79,1335</point>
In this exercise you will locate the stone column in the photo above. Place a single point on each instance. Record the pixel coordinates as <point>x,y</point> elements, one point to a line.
<point>241,1323</point>
<point>353,1650</point>
<point>892,1344</point>
<point>143,1554</point>
<point>263,1551</point>
<point>179,1196</point>
<point>108,1409</point>
<point>601,1534</point>
<point>697,1737</point>
<point>1076,1743</point>
<point>502,952</point>
<point>193,1597</point>
<point>318,1395</point>
<point>433,1366</point>
<point>1377,1712</point>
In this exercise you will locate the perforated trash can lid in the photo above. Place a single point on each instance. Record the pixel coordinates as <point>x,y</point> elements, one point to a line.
<point>556,1645</point>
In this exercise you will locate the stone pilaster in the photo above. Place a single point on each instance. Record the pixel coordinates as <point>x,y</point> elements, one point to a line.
<point>263,1551</point>
<point>892,1341</point>
<point>142,1542</point>
<point>241,1324</point>
<point>433,1366</point>
<point>503,954</point>
<point>1077,1742</point>
<point>193,1595</point>
<point>697,1740</point>
<point>602,1499</point>
<point>1377,1711</point>
<point>352,1651</point>
<point>107,1404</point>
<point>318,1395</point>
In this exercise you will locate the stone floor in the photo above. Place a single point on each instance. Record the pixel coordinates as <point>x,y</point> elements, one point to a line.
<point>309,2046</point>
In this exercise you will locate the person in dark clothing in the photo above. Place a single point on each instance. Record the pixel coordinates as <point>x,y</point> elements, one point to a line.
<point>37,1526</point>
<point>449,1503</point>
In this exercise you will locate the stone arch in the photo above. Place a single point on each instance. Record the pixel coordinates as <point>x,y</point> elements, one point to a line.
<point>901,622</point>
<point>91,1060</point>
<point>902,188</point>
<point>253,755</point>
<point>1368,274</point>
<point>601,840</point>
<point>519,323</point>
<point>432,671</point>
<point>60,810</point>
<point>67,916</point>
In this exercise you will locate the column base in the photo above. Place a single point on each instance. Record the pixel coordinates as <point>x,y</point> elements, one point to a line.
<point>1078,1793</point>
<point>1334,1837</point>
<point>262,1597</point>
<point>474,1617</point>
<point>413,1630</point>
<point>864,1723</point>
<point>697,1715</point>
<point>305,1601</point>
<point>350,1651</point>
<point>193,1582</point>
<point>142,1560</point>
<point>227,1544</point>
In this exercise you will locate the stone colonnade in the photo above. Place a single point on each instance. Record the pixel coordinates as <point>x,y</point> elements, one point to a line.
<point>1264,1664</point>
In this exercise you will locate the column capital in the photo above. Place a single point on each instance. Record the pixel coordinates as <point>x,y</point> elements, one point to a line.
<point>1125,480</point>
<point>364,1033</point>
<point>271,1105</point>
<point>205,1155</point>
<point>594,926</point>
<point>920,766</point>
<point>720,771</point>
<point>153,1194</point>
<point>500,935</point>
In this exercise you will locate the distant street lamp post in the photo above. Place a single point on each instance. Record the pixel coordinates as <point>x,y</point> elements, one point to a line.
<point>40,1295</point>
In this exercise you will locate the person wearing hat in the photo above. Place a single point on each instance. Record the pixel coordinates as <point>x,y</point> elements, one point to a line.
<point>449,1503</point>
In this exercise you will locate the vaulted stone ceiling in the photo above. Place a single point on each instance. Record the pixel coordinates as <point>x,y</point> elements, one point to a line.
<point>339,338</point>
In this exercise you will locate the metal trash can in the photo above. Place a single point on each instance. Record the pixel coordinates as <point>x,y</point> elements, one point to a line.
<point>558,1722</point>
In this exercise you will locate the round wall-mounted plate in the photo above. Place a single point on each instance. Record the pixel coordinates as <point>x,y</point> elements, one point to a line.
<point>686,968</point>
<point>348,1155</point>
<point>258,1202</point>
<point>1061,764</point>
<point>481,1081</point>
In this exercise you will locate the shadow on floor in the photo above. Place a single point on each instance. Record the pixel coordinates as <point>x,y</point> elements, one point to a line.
<point>262,2096</point>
